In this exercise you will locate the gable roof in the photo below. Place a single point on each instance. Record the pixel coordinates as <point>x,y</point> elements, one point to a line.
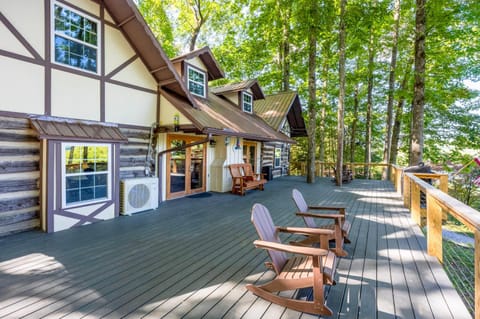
<point>217,116</point>
<point>130,21</point>
<point>214,70</point>
<point>275,108</point>
<point>240,86</point>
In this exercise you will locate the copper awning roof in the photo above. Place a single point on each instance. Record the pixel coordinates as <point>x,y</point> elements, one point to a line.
<point>75,130</point>
<point>220,117</point>
<point>276,107</point>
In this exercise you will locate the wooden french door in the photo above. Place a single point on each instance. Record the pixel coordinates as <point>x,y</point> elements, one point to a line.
<point>186,169</point>
<point>250,153</point>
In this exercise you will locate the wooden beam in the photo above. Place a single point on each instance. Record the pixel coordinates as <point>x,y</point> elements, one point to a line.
<point>477,274</point>
<point>166,82</point>
<point>434,228</point>
<point>127,20</point>
<point>165,67</point>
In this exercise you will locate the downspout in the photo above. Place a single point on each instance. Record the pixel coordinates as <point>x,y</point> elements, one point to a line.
<point>179,148</point>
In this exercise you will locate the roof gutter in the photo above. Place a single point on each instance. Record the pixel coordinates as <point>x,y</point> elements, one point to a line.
<point>211,130</point>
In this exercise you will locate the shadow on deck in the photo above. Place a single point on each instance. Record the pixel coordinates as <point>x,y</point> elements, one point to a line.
<point>192,257</point>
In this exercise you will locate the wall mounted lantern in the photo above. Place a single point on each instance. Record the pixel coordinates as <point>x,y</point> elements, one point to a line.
<point>176,122</point>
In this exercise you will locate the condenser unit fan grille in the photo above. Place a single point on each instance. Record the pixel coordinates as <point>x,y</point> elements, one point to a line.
<point>138,196</point>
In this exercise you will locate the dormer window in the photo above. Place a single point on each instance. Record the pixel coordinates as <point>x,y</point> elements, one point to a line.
<point>247,102</point>
<point>196,81</point>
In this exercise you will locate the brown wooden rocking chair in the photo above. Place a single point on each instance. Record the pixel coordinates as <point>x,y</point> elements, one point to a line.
<point>341,226</point>
<point>315,268</point>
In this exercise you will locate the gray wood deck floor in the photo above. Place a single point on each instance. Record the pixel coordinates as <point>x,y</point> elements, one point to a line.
<point>192,258</point>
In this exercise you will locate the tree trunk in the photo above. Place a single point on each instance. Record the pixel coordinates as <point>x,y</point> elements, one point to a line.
<point>341,95</point>
<point>354,125</point>
<point>399,114</point>
<point>312,96</point>
<point>416,134</point>
<point>391,88</point>
<point>199,22</point>
<point>324,102</point>
<point>368,123</point>
<point>285,50</point>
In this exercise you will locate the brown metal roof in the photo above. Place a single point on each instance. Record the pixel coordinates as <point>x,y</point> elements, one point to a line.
<point>73,130</point>
<point>214,70</point>
<point>220,117</point>
<point>276,107</point>
<point>240,86</point>
<point>129,20</point>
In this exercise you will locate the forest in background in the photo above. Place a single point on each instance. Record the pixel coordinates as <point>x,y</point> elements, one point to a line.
<point>294,45</point>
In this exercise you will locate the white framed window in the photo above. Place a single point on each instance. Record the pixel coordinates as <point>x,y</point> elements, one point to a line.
<point>75,39</point>
<point>86,173</point>
<point>278,157</point>
<point>247,102</point>
<point>196,81</point>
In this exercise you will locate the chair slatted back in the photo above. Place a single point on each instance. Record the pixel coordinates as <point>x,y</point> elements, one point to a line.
<point>235,170</point>
<point>302,207</point>
<point>263,223</point>
<point>248,171</point>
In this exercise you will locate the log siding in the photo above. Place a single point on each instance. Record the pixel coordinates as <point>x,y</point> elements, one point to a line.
<point>19,176</point>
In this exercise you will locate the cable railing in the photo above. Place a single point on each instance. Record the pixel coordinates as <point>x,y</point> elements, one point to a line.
<point>434,211</point>
<point>429,206</point>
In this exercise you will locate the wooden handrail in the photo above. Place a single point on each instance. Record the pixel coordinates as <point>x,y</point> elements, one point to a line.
<point>438,202</point>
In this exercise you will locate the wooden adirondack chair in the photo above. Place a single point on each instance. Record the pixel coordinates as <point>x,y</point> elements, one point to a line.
<point>340,226</point>
<point>315,268</point>
<point>244,179</point>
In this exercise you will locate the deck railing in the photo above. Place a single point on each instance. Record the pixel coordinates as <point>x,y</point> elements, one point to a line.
<point>432,212</point>
<point>438,204</point>
<point>326,169</point>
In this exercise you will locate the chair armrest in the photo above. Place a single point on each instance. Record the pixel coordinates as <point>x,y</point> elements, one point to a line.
<point>235,179</point>
<point>306,231</point>
<point>259,175</point>
<point>341,210</point>
<point>308,251</point>
<point>331,216</point>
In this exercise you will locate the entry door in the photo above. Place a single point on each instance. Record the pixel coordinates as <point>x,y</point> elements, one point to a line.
<point>186,170</point>
<point>250,153</point>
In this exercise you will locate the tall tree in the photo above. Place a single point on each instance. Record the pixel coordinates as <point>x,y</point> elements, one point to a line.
<point>312,89</point>
<point>155,14</point>
<point>416,133</point>
<point>285,11</point>
<point>341,94</point>
<point>370,79</point>
<point>399,113</point>
<point>353,131</point>
<point>200,16</point>
<point>391,88</point>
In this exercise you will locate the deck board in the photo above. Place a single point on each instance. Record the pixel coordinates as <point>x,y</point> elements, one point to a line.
<point>193,257</point>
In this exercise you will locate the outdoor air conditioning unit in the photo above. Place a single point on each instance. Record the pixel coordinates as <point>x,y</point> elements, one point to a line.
<point>138,194</point>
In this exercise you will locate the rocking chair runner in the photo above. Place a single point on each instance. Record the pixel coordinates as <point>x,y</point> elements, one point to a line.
<point>315,268</point>
<point>341,226</point>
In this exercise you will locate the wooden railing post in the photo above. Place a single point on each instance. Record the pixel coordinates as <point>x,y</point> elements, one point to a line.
<point>398,180</point>
<point>415,209</point>
<point>434,228</point>
<point>406,191</point>
<point>477,274</point>
<point>443,183</point>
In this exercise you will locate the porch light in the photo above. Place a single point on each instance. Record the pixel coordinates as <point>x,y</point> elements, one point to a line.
<point>227,140</point>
